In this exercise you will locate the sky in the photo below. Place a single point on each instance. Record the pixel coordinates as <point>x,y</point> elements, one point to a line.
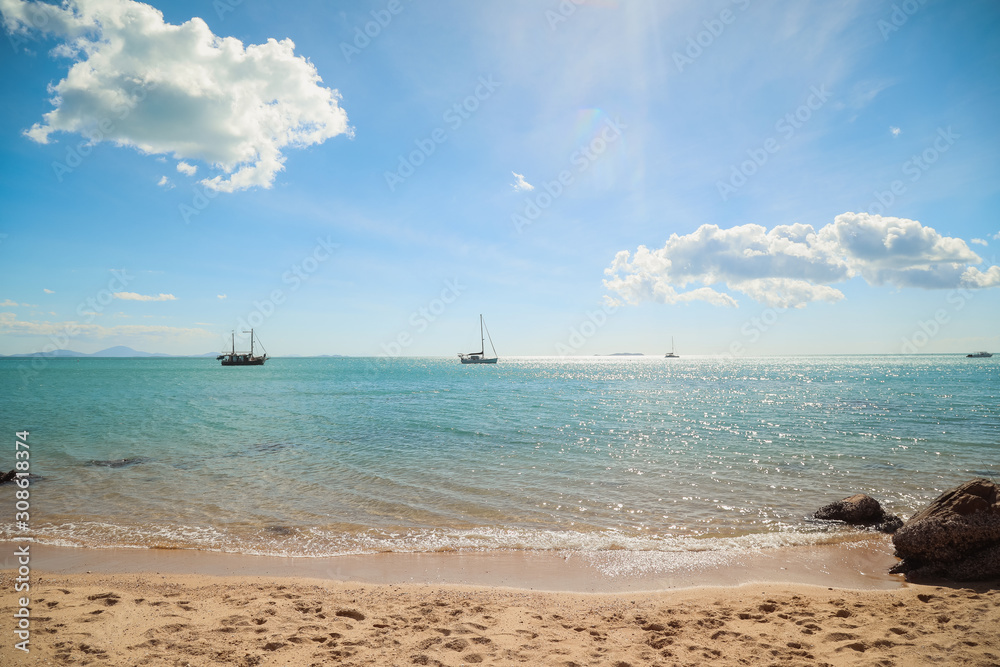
<point>742,177</point>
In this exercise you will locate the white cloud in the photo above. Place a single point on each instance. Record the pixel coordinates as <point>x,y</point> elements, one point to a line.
<point>895,131</point>
<point>7,303</point>
<point>521,185</point>
<point>186,168</point>
<point>792,265</point>
<point>979,241</point>
<point>180,90</point>
<point>48,291</point>
<point>220,296</point>
<point>165,183</point>
<point>132,296</point>
<point>10,325</point>
<point>996,237</point>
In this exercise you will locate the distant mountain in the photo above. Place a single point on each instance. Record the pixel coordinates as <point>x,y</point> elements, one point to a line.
<point>122,351</point>
<point>53,353</point>
<point>118,351</point>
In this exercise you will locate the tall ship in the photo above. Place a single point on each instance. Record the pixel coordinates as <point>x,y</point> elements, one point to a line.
<point>234,358</point>
<point>480,357</point>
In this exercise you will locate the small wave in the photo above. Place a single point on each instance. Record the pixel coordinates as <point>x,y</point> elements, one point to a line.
<point>287,541</point>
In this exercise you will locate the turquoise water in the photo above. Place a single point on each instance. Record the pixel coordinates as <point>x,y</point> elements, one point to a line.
<point>349,455</point>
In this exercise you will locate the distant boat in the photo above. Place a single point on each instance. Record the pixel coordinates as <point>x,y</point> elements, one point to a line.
<point>979,355</point>
<point>480,357</point>
<point>670,354</point>
<point>234,358</point>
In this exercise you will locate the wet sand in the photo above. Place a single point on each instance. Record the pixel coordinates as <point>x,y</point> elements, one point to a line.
<point>193,608</point>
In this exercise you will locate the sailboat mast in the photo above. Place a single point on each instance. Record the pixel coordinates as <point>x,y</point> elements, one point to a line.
<point>482,341</point>
<point>251,342</point>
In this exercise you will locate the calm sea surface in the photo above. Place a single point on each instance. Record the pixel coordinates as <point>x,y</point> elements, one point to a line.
<point>350,455</point>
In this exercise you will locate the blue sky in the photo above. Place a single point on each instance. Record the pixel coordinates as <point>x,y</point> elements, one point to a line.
<point>747,177</point>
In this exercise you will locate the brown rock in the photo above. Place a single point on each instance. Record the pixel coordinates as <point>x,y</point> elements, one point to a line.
<point>860,510</point>
<point>957,536</point>
<point>7,477</point>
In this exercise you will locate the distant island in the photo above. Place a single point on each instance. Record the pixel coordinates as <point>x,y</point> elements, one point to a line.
<point>621,354</point>
<point>123,352</point>
<point>116,351</point>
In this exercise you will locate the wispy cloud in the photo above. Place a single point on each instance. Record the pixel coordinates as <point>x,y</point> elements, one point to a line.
<point>793,265</point>
<point>7,303</point>
<point>895,131</point>
<point>521,185</point>
<point>133,70</point>
<point>980,241</point>
<point>133,296</point>
<point>220,296</point>
<point>48,291</point>
<point>10,325</point>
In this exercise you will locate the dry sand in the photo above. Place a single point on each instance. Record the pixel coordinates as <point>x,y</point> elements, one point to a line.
<point>130,618</point>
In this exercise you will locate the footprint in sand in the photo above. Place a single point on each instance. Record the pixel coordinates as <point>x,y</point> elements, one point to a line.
<point>108,599</point>
<point>351,613</point>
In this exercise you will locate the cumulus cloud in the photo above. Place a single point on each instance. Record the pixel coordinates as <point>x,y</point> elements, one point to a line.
<point>521,185</point>
<point>165,183</point>
<point>186,168</point>
<point>793,265</point>
<point>132,296</point>
<point>895,131</point>
<point>221,297</point>
<point>179,90</point>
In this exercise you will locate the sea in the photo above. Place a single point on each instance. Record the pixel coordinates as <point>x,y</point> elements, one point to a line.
<point>320,457</point>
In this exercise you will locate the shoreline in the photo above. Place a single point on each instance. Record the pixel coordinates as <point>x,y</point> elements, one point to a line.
<point>861,564</point>
<point>791,606</point>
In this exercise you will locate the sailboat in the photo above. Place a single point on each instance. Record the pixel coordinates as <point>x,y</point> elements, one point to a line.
<point>234,358</point>
<point>480,357</point>
<point>670,354</point>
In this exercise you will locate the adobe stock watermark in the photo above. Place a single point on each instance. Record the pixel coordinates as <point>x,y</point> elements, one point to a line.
<point>582,158</point>
<point>914,168</point>
<point>299,273</point>
<point>223,7</point>
<point>704,39</point>
<point>370,30</point>
<point>898,17</point>
<point>927,330</point>
<point>454,117</point>
<point>87,310</point>
<point>786,126</point>
<point>753,329</point>
<point>39,14</point>
<point>580,334</point>
<point>422,318</point>
<point>562,12</point>
<point>78,153</point>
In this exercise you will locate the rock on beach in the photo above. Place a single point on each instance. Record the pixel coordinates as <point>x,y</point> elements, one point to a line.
<point>860,510</point>
<point>957,536</point>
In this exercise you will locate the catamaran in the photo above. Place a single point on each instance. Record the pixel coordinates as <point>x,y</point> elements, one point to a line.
<point>234,358</point>
<point>670,354</point>
<point>480,357</point>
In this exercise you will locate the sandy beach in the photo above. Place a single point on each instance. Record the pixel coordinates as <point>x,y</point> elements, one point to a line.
<point>167,618</point>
